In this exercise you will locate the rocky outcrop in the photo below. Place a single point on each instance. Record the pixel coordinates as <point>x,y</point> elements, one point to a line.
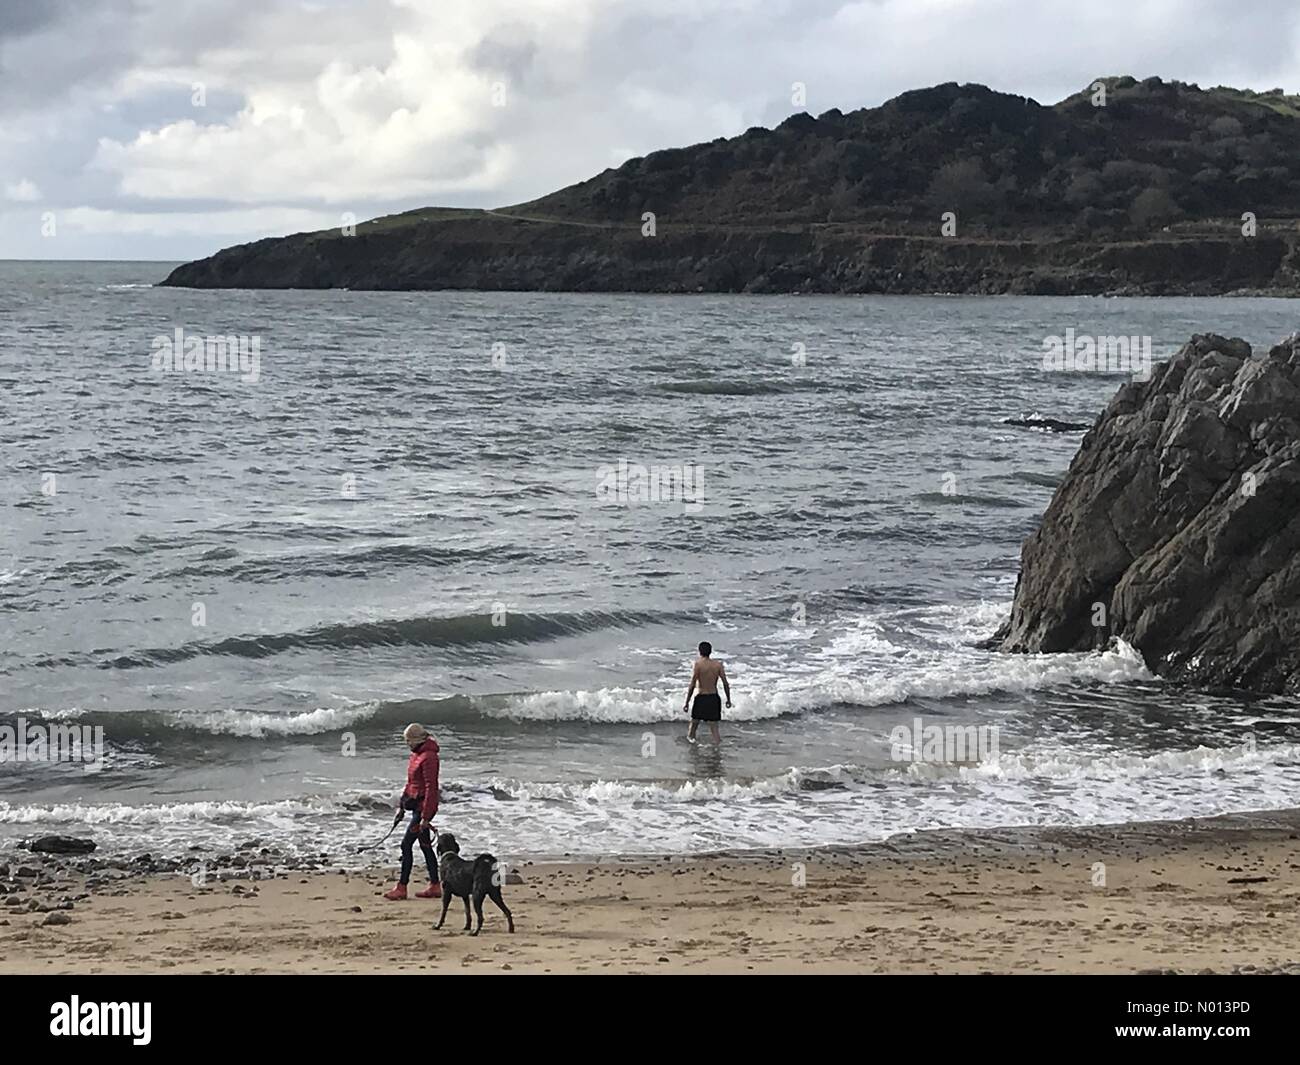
<point>1177,527</point>
<point>61,845</point>
<point>483,251</point>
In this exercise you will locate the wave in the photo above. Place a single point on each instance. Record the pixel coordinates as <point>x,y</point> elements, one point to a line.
<point>459,630</point>
<point>724,388</point>
<point>955,672</point>
<point>1045,480</point>
<point>602,792</point>
<point>1051,767</point>
<point>1061,764</point>
<point>349,564</point>
<point>216,812</point>
<point>995,502</point>
<point>1047,766</point>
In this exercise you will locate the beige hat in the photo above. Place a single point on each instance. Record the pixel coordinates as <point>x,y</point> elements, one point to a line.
<point>414,731</point>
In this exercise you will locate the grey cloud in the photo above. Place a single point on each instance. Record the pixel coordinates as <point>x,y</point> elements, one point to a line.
<point>651,74</point>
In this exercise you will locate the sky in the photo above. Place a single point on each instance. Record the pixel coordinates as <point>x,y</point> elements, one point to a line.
<point>167,129</point>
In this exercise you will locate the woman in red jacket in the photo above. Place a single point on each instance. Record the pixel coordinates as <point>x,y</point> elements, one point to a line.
<point>420,796</point>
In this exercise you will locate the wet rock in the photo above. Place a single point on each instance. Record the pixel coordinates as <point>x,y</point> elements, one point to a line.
<point>61,845</point>
<point>1177,527</point>
<point>56,919</point>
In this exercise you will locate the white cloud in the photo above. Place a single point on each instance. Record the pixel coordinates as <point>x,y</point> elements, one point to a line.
<point>24,191</point>
<point>267,221</point>
<point>423,123</point>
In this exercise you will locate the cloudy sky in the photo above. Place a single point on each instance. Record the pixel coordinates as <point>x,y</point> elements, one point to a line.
<point>165,129</point>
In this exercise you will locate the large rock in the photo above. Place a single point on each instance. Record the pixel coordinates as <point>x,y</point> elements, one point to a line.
<point>61,845</point>
<point>1177,527</point>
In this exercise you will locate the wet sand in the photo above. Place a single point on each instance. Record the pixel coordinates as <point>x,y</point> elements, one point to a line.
<point>1215,894</point>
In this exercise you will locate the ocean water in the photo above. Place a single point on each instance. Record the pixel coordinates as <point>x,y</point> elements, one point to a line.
<point>413,513</point>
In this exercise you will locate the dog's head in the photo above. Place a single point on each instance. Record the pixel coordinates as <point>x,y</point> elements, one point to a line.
<point>446,844</point>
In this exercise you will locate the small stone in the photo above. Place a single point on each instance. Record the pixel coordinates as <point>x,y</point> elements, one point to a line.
<point>56,918</point>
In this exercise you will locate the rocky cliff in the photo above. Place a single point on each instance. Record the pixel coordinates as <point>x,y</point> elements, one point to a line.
<point>1177,527</point>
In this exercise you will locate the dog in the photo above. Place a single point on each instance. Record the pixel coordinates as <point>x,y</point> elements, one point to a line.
<point>478,879</point>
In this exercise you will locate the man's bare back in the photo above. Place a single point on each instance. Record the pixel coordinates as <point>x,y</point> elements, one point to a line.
<point>707,672</point>
<point>708,705</point>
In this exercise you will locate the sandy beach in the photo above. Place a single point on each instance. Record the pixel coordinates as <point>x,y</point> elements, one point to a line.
<point>1215,894</point>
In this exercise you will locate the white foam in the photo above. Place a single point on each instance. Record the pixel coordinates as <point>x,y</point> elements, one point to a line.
<point>259,725</point>
<point>864,665</point>
<point>216,812</point>
<point>627,793</point>
<point>1072,765</point>
<point>856,804</point>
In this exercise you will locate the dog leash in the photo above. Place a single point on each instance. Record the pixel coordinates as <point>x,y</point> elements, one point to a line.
<point>401,816</point>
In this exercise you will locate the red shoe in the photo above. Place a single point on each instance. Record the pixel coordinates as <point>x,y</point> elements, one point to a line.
<point>397,894</point>
<point>433,891</point>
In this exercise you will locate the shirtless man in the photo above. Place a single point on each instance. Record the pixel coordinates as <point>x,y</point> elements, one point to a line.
<point>708,707</point>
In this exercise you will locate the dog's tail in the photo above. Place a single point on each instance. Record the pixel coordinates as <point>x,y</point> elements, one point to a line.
<point>484,865</point>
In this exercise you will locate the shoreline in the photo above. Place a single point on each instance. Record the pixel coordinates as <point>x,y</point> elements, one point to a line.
<point>1174,896</point>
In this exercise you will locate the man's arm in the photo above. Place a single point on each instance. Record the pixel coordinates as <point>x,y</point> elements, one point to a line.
<point>695,675</point>
<point>726,685</point>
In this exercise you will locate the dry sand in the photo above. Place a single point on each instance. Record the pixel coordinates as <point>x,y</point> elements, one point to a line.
<point>1016,900</point>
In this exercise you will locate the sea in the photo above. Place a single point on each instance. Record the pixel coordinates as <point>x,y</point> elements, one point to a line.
<point>247,536</point>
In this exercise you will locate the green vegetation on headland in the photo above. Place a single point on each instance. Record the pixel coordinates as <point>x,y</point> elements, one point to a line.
<point>1139,187</point>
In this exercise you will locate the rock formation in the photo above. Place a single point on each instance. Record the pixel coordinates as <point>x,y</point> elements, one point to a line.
<point>1177,527</point>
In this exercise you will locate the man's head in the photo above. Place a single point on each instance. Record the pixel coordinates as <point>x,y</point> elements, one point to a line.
<point>414,734</point>
<point>706,649</point>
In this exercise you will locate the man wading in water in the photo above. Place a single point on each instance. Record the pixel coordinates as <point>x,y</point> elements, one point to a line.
<point>420,797</point>
<point>708,707</point>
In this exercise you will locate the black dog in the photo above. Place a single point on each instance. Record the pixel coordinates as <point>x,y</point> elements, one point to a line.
<point>480,879</point>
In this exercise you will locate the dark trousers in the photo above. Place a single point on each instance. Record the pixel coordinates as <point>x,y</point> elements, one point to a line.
<point>408,850</point>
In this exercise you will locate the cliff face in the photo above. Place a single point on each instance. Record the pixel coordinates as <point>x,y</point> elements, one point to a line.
<point>496,253</point>
<point>1177,527</point>
<point>1142,195</point>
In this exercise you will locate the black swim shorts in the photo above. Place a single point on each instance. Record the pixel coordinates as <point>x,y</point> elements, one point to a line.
<point>707,707</point>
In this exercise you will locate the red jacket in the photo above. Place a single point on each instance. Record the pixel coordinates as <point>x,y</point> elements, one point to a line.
<point>422,778</point>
